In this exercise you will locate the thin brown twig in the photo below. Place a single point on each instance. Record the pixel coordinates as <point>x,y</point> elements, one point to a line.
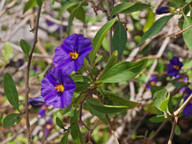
<point>157,131</point>
<point>172,130</point>
<point>27,75</point>
<point>175,115</point>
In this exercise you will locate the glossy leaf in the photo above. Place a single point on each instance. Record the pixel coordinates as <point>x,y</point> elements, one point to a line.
<point>10,120</point>
<point>97,40</point>
<point>155,89</point>
<point>68,111</point>
<point>112,61</point>
<point>82,83</point>
<point>155,28</point>
<point>119,39</point>
<point>121,7</point>
<point>25,47</point>
<point>64,139</point>
<point>177,130</point>
<point>39,2</point>
<point>151,109</point>
<point>109,109</point>
<point>30,4</point>
<point>150,19</point>
<point>161,99</point>
<point>11,91</point>
<point>7,52</point>
<point>59,122</point>
<point>80,14</point>
<point>138,6</point>
<point>120,100</point>
<point>72,15</point>
<point>65,7</point>
<point>127,7</point>
<point>123,71</point>
<point>157,118</point>
<point>93,111</point>
<point>187,35</point>
<point>75,131</point>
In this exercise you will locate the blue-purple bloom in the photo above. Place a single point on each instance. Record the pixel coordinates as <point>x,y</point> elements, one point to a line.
<point>36,68</point>
<point>37,101</point>
<point>162,10</point>
<point>20,62</point>
<point>188,108</point>
<point>152,81</point>
<point>70,55</point>
<point>42,111</point>
<point>57,88</point>
<point>48,126</point>
<point>182,79</point>
<point>48,22</point>
<point>174,66</point>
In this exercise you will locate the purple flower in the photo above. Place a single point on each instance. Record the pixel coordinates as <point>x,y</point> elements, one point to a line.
<point>48,126</point>
<point>42,111</point>
<point>37,101</point>
<point>35,68</point>
<point>20,62</point>
<point>70,55</point>
<point>181,79</point>
<point>152,82</point>
<point>48,22</point>
<point>188,108</point>
<point>162,10</point>
<point>57,88</point>
<point>174,66</point>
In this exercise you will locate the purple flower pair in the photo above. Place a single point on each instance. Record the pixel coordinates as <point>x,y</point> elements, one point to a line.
<point>57,86</point>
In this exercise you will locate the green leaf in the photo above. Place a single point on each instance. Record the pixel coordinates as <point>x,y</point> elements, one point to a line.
<point>72,15</point>
<point>59,123</point>
<point>178,3</point>
<point>68,111</point>
<point>119,39</point>
<point>161,99</point>
<point>120,100</point>
<point>66,6</point>
<point>80,14</point>
<point>138,6</point>
<point>10,119</point>
<point>177,130</point>
<point>64,139</point>
<point>39,2</point>
<point>7,52</point>
<point>188,33</point>
<point>25,47</point>
<point>97,40</point>
<point>109,109</point>
<point>112,61</point>
<point>150,19</point>
<point>123,71</point>
<point>157,119</point>
<point>155,89</point>
<point>10,91</point>
<point>127,7</point>
<point>82,83</point>
<point>28,5</point>
<point>151,109</point>
<point>121,7</point>
<point>155,28</point>
<point>75,131</point>
<point>93,111</point>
